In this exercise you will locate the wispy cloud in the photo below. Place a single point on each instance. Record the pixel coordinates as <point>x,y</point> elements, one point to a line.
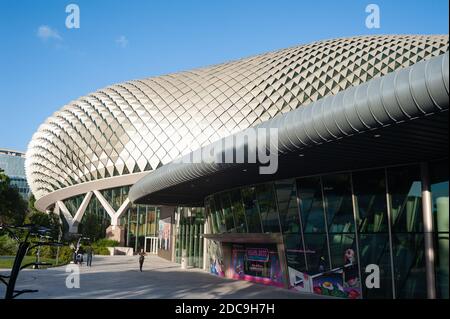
<point>122,41</point>
<point>45,33</point>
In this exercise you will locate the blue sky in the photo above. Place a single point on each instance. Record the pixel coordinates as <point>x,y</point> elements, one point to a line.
<point>123,40</point>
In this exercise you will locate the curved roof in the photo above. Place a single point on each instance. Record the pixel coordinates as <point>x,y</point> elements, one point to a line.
<point>405,95</point>
<point>141,125</point>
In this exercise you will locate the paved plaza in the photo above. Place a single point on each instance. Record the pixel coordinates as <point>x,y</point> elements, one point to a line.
<point>119,277</point>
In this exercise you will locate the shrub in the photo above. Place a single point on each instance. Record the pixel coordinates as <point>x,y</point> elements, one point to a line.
<point>100,250</point>
<point>106,243</point>
<point>65,255</point>
<point>8,246</point>
<point>101,246</point>
<point>48,252</point>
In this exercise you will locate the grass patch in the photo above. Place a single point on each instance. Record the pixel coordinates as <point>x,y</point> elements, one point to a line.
<point>6,262</point>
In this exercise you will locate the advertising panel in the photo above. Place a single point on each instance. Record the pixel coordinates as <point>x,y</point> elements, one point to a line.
<point>257,263</point>
<point>215,256</point>
<point>164,233</point>
<point>340,282</point>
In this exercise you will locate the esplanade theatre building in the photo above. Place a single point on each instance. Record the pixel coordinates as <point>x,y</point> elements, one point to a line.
<point>356,207</point>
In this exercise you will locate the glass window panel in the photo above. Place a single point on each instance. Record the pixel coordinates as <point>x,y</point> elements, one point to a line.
<point>409,265</point>
<point>251,210</point>
<point>374,249</point>
<point>151,221</point>
<point>311,204</point>
<point>343,249</point>
<point>238,211</point>
<point>295,256</point>
<point>338,203</point>
<point>439,191</point>
<point>220,217</point>
<point>227,212</point>
<point>287,206</point>
<point>316,250</point>
<point>406,198</point>
<point>442,266</point>
<point>213,218</point>
<point>95,220</point>
<point>370,195</point>
<point>267,208</point>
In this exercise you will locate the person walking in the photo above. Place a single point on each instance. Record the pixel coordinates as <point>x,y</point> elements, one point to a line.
<point>80,255</point>
<point>142,255</point>
<point>89,253</point>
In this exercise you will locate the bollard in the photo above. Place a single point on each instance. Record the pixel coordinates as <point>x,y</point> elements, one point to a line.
<point>183,259</point>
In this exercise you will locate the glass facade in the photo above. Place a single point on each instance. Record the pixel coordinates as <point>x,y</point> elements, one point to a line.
<point>408,252</point>
<point>439,191</point>
<point>95,220</point>
<point>13,164</point>
<point>369,189</point>
<point>139,221</point>
<point>334,226</point>
<point>189,235</point>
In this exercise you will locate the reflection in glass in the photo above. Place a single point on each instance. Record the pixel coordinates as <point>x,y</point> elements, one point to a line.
<point>439,190</point>
<point>189,235</point>
<point>409,265</point>
<point>267,208</point>
<point>311,204</point>
<point>211,209</point>
<point>295,256</point>
<point>374,249</point>
<point>316,252</point>
<point>151,222</point>
<point>251,210</point>
<point>404,185</point>
<point>287,206</point>
<point>338,203</point>
<point>95,220</point>
<point>343,249</point>
<point>370,195</point>
<point>218,217</point>
<point>73,203</point>
<point>238,211</point>
<point>227,212</point>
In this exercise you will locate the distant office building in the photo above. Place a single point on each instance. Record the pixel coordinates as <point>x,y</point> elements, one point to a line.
<point>13,163</point>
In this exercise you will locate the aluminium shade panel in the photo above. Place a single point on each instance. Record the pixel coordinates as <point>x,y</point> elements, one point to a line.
<point>141,125</point>
<point>406,94</point>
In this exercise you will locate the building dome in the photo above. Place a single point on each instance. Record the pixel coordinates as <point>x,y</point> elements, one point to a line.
<point>140,125</point>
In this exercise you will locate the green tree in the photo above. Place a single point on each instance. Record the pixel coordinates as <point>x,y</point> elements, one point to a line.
<point>92,227</point>
<point>13,208</point>
<point>36,217</point>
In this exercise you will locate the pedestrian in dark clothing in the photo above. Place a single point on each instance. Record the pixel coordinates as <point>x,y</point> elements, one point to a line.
<point>89,253</point>
<point>141,259</point>
<point>74,256</point>
<point>80,252</point>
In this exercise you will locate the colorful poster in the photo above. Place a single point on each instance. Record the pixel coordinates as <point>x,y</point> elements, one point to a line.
<point>257,254</point>
<point>299,281</point>
<point>164,233</point>
<point>257,263</point>
<point>340,282</point>
<point>215,256</point>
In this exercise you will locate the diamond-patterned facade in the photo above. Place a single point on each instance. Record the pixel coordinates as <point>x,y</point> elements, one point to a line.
<point>142,124</point>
